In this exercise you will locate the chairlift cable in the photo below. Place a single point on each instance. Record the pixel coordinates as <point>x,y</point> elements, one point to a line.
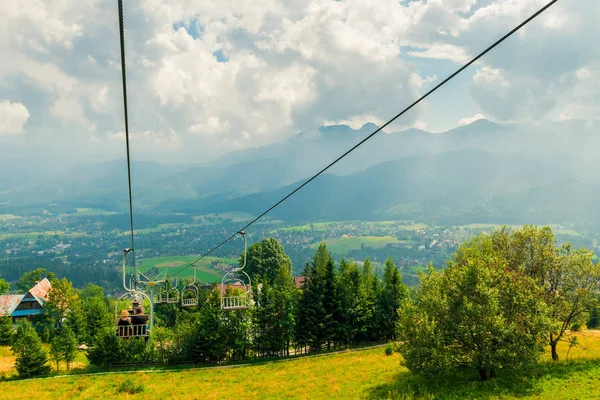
<point>423,97</point>
<point>123,73</point>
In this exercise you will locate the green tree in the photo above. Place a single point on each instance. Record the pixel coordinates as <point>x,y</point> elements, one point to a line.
<point>349,289</point>
<point>275,315</point>
<point>69,345</point>
<point>30,278</point>
<point>264,259</point>
<point>63,304</point>
<point>56,350</point>
<point>208,342</point>
<point>476,313</point>
<point>106,348</point>
<point>4,286</point>
<point>6,330</point>
<point>332,325</point>
<point>593,321</point>
<point>568,278</point>
<point>31,358</point>
<point>392,295</point>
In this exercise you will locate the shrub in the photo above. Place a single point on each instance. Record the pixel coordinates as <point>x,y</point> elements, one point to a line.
<point>129,386</point>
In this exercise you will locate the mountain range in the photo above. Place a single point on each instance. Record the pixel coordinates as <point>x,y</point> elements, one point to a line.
<point>481,172</point>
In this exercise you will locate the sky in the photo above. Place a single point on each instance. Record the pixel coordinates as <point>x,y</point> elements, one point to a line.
<point>209,77</point>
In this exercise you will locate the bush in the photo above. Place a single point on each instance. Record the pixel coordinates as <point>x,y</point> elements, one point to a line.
<point>389,349</point>
<point>128,386</point>
<point>576,327</point>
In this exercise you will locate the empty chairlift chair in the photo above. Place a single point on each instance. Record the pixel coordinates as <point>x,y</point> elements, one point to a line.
<point>239,282</point>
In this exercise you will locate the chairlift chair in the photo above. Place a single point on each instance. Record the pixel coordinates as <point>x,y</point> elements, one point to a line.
<point>237,277</point>
<point>190,295</point>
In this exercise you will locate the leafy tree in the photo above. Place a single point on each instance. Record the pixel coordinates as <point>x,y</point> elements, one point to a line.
<point>6,330</point>
<point>30,278</point>
<point>392,295</point>
<point>4,286</point>
<point>593,321</point>
<point>69,345</point>
<point>64,304</point>
<point>264,259</point>
<point>568,278</point>
<point>31,357</point>
<point>476,313</point>
<point>370,285</point>
<point>56,350</point>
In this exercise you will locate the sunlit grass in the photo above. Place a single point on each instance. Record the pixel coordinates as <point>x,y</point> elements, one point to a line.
<point>346,244</point>
<point>348,374</point>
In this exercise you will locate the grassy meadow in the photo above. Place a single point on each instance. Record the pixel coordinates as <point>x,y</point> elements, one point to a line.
<point>364,373</point>
<point>205,271</point>
<point>346,244</point>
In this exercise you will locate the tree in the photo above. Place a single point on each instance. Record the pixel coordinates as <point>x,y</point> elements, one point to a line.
<point>63,303</point>
<point>6,330</point>
<point>349,288</point>
<point>56,350</point>
<point>332,306</point>
<point>4,286</point>
<point>31,358</point>
<point>30,278</point>
<point>69,345</point>
<point>264,259</point>
<point>568,278</point>
<point>393,293</point>
<point>208,341</point>
<point>478,313</point>
<point>593,321</point>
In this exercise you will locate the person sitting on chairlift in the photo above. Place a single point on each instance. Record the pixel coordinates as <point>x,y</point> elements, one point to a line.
<point>139,322</point>
<point>122,323</point>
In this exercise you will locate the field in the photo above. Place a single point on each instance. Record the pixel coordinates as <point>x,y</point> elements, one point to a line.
<point>347,374</point>
<point>346,244</point>
<point>205,271</point>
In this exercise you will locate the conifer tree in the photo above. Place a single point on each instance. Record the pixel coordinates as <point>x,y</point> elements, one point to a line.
<point>392,294</point>
<point>27,346</point>
<point>6,330</point>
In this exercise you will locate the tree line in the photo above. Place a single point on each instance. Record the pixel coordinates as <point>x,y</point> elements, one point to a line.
<point>502,299</point>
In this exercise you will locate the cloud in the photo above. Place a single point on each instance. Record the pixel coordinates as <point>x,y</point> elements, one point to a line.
<point>13,117</point>
<point>467,121</point>
<point>214,76</point>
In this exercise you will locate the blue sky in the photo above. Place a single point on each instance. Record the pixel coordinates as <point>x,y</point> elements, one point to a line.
<point>206,78</point>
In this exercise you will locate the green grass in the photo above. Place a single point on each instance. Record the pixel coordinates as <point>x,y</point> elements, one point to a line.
<point>6,217</point>
<point>347,374</point>
<point>94,211</point>
<point>346,244</point>
<point>234,216</point>
<point>205,272</point>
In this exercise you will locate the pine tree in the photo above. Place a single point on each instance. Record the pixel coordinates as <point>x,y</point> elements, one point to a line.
<point>6,330</point>
<point>331,305</point>
<point>302,331</point>
<point>392,295</point>
<point>27,346</point>
<point>349,284</point>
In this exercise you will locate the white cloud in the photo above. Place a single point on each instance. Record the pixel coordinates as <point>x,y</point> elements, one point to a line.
<point>290,66</point>
<point>13,117</point>
<point>467,121</point>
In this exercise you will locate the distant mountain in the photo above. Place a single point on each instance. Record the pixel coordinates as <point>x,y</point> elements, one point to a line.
<point>412,172</point>
<point>465,186</point>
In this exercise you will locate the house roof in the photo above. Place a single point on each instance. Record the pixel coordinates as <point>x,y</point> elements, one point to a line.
<point>41,289</point>
<point>9,302</point>
<point>299,281</point>
<point>27,312</point>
